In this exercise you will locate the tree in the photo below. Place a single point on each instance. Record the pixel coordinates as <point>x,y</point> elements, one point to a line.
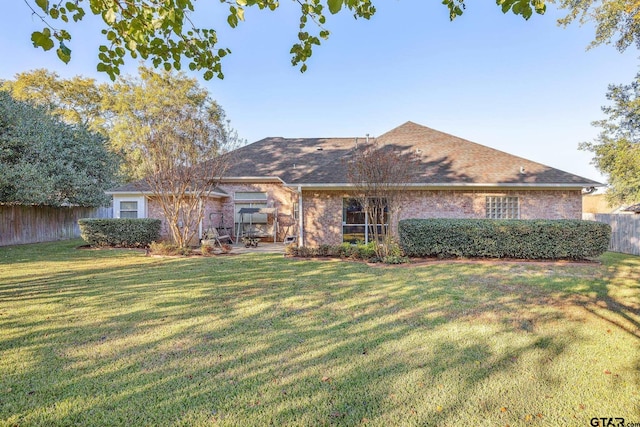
<point>46,162</point>
<point>614,19</point>
<point>380,175</point>
<point>133,107</point>
<point>175,139</point>
<point>114,110</point>
<point>75,101</point>
<point>164,33</point>
<point>617,147</point>
<point>184,155</point>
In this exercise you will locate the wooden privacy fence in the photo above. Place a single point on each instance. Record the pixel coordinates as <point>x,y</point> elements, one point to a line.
<point>625,231</point>
<point>21,224</point>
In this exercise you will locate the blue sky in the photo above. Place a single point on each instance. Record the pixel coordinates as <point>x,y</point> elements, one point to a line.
<point>529,88</point>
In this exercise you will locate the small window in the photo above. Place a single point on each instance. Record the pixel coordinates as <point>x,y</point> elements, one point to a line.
<point>503,208</point>
<point>296,211</point>
<point>128,209</point>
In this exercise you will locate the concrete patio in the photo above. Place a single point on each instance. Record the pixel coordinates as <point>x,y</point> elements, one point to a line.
<point>271,248</point>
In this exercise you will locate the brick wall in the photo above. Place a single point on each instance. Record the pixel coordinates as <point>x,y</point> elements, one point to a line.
<point>222,209</point>
<point>322,217</point>
<point>323,209</point>
<point>541,204</point>
<point>277,196</point>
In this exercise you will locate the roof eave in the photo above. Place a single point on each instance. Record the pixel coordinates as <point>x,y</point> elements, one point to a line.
<point>151,193</point>
<point>449,186</point>
<point>252,179</point>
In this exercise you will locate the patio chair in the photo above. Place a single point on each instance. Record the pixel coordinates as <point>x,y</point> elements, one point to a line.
<point>213,234</point>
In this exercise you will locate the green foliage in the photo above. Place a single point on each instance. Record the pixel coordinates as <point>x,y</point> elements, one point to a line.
<point>75,101</point>
<point>616,21</point>
<point>46,162</point>
<point>120,232</point>
<point>617,148</point>
<point>140,109</point>
<point>359,251</point>
<point>164,32</point>
<point>126,112</point>
<point>522,239</point>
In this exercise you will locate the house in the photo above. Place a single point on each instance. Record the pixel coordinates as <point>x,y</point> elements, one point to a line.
<point>633,209</point>
<point>299,186</point>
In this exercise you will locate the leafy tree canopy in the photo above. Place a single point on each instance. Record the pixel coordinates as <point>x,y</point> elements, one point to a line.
<point>139,107</point>
<point>46,162</point>
<point>617,147</point>
<point>76,100</point>
<point>126,111</point>
<point>163,32</point>
<point>616,21</point>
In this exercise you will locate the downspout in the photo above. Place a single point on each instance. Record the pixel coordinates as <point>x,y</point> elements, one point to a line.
<point>201,220</point>
<point>300,217</point>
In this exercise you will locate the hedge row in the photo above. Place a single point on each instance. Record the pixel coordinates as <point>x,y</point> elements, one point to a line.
<point>120,232</point>
<point>486,238</point>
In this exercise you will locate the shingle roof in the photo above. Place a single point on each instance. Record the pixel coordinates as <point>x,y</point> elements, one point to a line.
<point>633,208</point>
<point>443,159</point>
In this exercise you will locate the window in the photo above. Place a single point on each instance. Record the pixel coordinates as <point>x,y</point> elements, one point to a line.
<point>296,211</point>
<point>251,200</point>
<point>251,195</point>
<point>356,225</point>
<point>503,207</point>
<point>128,209</point>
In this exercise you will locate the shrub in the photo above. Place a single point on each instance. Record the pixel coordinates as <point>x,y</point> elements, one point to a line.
<point>206,249</point>
<point>120,232</point>
<point>523,239</point>
<point>345,250</point>
<point>163,248</point>
<point>166,248</point>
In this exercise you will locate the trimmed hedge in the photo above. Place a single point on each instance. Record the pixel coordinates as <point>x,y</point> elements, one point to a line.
<point>489,238</point>
<point>121,232</point>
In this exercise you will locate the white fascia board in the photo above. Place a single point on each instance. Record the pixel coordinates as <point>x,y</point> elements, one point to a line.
<point>251,179</point>
<point>444,186</point>
<point>151,193</point>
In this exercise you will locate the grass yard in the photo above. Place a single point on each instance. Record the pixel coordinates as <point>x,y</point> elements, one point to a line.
<point>111,337</point>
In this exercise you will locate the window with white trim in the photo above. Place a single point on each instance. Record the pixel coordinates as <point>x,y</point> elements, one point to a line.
<point>128,209</point>
<point>502,207</point>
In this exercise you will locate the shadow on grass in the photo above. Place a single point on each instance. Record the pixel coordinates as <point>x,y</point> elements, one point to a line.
<point>259,339</point>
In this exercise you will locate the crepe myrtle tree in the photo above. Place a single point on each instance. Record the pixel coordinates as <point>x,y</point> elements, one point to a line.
<point>379,175</point>
<point>164,32</point>
<point>184,154</point>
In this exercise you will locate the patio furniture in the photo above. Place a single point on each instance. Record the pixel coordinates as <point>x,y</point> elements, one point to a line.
<point>250,241</point>
<point>213,234</point>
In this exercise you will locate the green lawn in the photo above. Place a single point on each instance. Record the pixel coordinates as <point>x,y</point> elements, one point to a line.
<point>111,337</point>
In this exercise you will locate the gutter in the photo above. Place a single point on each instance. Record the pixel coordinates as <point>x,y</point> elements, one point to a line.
<point>445,186</point>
